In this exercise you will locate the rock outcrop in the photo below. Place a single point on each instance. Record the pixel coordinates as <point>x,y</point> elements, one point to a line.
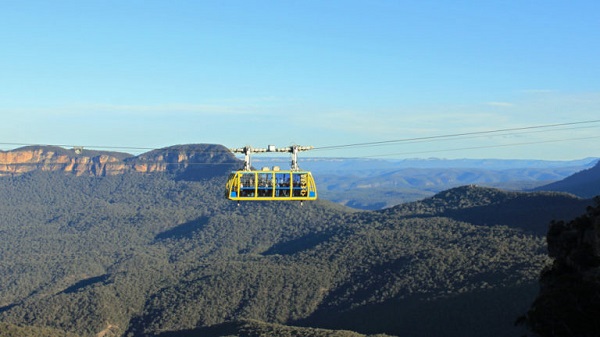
<point>179,159</point>
<point>569,300</point>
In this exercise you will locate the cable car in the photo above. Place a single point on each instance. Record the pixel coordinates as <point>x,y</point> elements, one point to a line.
<point>271,184</point>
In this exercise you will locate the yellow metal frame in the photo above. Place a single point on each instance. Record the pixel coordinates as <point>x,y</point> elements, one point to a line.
<point>271,185</point>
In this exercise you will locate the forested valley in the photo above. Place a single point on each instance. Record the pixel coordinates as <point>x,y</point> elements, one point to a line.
<point>157,255</point>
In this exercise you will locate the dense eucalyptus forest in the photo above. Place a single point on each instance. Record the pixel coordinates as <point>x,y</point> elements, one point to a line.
<point>161,255</point>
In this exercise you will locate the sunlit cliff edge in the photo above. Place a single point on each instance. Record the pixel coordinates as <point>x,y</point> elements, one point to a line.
<point>83,162</point>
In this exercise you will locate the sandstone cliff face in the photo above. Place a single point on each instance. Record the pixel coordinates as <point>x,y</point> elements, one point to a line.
<point>176,159</point>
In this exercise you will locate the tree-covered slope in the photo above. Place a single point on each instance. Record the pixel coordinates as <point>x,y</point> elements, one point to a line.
<point>79,252</point>
<point>252,328</point>
<point>11,330</point>
<point>531,212</point>
<point>143,255</point>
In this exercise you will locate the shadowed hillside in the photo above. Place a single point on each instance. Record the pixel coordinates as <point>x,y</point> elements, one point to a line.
<point>585,184</point>
<point>250,328</point>
<point>485,206</point>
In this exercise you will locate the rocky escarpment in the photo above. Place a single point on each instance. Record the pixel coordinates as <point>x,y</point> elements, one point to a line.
<point>179,159</point>
<point>569,300</point>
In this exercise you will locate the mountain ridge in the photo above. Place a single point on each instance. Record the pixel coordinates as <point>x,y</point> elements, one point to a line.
<point>486,206</point>
<point>187,160</point>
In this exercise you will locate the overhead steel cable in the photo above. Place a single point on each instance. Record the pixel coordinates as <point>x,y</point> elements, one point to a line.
<point>463,135</point>
<point>483,147</point>
<point>516,133</point>
<point>454,135</point>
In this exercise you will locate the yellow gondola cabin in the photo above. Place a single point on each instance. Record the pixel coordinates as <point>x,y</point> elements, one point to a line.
<point>271,184</point>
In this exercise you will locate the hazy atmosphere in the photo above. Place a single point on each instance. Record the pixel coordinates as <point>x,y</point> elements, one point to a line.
<point>138,75</point>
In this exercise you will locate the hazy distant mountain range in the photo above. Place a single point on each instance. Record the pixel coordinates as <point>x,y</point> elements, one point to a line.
<point>375,184</point>
<point>356,182</point>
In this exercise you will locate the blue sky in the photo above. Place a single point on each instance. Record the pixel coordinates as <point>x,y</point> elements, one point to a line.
<point>150,74</point>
